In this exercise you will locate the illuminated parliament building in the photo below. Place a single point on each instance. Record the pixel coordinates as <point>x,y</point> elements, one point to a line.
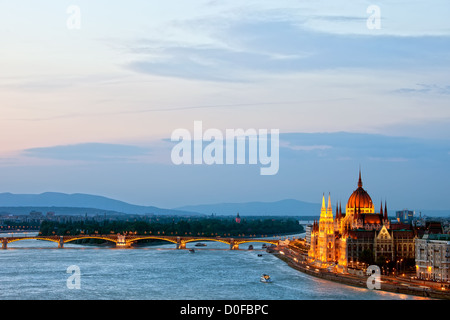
<point>338,241</point>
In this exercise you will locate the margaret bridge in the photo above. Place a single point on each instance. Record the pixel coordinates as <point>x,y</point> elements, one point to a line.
<point>125,241</point>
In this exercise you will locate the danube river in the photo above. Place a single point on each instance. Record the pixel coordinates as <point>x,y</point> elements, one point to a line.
<point>35,270</point>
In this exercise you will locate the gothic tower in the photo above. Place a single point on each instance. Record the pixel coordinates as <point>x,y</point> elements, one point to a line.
<point>326,237</point>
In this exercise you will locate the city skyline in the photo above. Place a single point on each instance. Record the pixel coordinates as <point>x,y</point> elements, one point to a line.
<point>90,108</point>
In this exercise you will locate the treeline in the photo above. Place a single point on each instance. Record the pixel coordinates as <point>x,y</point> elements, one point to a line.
<point>258,227</point>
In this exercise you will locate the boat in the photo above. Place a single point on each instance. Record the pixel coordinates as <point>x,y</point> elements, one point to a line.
<point>200,244</point>
<point>191,250</point>
<point>259,255</point>
<point>264,246</point>
<point>250,247</point>
<point>265,278</point>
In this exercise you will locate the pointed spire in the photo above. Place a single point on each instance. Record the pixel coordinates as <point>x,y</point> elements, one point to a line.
<point>381,209</point>
<point>323,201</point>
<point>329,202</point>
<point>340,208</point>
<point>385,209</point>
<point>360,180</point>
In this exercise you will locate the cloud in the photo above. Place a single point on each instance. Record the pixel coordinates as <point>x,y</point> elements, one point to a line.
<point>359,146</point>
<point>244,50</point>
<point>88,152</point>
<point>304,147</point>
<point>422,88</point>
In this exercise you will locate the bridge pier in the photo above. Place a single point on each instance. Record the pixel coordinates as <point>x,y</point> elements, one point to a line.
<point>180,244</point>
<point>121,242</point>
<point>233,245</point>
<point>4,243</point>
<point>61,242</point>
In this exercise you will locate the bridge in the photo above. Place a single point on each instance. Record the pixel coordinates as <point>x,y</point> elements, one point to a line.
<point>125,241</point>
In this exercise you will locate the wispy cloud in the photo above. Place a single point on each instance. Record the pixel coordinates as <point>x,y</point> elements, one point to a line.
<point>88,152</point>
<point>369,147</point>
<point>245,50</point>
<point>422,88</point>
<point>288,145</point>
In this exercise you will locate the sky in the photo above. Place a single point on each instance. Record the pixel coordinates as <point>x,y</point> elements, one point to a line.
<point>91,91</point>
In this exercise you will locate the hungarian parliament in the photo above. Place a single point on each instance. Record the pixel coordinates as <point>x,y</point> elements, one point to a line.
<point>339,241</point>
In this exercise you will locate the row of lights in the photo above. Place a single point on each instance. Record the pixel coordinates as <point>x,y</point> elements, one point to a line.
<point>162,232</point>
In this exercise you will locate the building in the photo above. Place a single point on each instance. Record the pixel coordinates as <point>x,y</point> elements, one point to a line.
<point>308,230</point>
<point>433,257</point>
<point>405,216</point>
<point>358,236</point>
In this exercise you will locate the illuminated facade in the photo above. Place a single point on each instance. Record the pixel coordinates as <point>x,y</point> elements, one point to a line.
<point>433,257</point>
<point>323,237</point>
<point>339,242</point>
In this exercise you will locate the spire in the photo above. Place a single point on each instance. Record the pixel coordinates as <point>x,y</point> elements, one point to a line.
<point>340,208</point>
<point>360,181</point>
<point>381,209</point>
<point>323,201</point>
<point>385,209</point>
<point>329,202</point>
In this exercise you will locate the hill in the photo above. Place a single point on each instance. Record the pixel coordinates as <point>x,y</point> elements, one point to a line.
<point>76,203</point>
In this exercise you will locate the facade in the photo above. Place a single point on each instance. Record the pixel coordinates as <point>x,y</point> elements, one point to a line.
<point>348,239</point>
<point>433,257</point>
<point>308,230</point>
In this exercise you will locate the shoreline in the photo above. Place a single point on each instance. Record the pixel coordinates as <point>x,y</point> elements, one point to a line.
<point>406,288</point>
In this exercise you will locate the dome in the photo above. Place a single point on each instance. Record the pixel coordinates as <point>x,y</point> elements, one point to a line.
<point>360,199</point>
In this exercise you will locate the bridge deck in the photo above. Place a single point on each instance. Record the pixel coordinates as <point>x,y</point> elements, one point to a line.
<point>122,240</point>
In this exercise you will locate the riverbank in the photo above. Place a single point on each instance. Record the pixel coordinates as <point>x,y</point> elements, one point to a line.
<point>388,284</point>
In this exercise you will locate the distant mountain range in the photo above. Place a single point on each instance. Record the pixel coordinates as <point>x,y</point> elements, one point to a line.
<point>80,204</point>
<point>77,203</point>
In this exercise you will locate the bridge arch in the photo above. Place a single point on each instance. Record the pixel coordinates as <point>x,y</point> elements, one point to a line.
<point>32,238</point>
<point>139,238</point>
<point>75,238</point>
<point>206,239</point>
<point>17,239</point>
<point>275,242</point>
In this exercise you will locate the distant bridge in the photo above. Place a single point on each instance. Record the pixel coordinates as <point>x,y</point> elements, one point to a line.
<point>125,241</point>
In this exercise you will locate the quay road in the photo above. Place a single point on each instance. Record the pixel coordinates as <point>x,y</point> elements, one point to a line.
<point>401,285</point>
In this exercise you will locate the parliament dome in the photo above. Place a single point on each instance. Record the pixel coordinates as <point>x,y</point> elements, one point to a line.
<point>360,200</point>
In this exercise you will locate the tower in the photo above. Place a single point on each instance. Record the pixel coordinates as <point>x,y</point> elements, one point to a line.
<point>326,237</point>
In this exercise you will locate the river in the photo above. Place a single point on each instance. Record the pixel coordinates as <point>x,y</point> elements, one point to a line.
<point>37,270</point>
